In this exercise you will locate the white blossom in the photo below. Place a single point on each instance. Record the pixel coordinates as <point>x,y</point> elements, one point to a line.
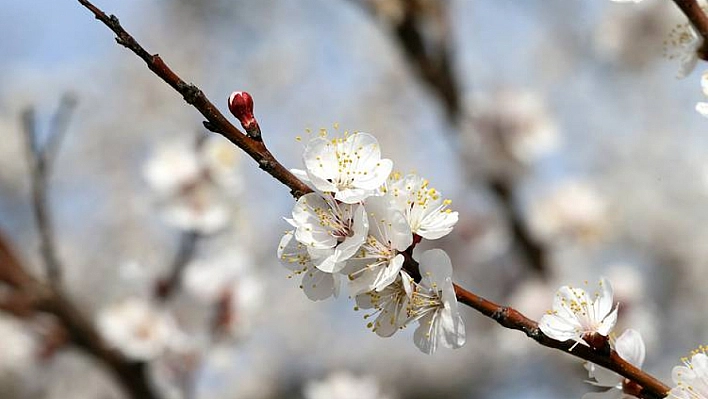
<point>515,127</point>
<point>425,209</point>
<point>138,329</point>
<point>350,167</point>
<point>434,305</point>
<point>192,183</point>
<point>331,231</point>
<point>683,45</point>
<point>207,279</point>
<point>316,284</point>
<point>630,347</point>
<point>575,313</point>
<point>627,1</point>
<point>702,107</point>
<point>379,260</point>
<point>243,301</point>
<point>390,306</point>
<point>573,209</point>
<point>342,385</point>
<point>19,349</point>
<point>691,379</point>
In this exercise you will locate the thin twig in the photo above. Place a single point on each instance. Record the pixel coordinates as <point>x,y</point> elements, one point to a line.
<point>41,160</point>
<point>506,316</point>
<point>185,253</point>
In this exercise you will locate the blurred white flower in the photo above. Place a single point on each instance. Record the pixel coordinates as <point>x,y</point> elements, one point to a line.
<point>434,305</point>
<point>630,347</point>
<point>628,36</point>
<point>425,209</point>
<point>627,1</point>
<point>516,126</point>
<point>343,385</point>
<point>576,315</point>
<point>702,107</point>
<point>691,379</point>
<point>241,306</point>
<point>171,167</point>
<point>573,209</point>
<point>316,284</point>
<point>379,259</point>
<point>139,329</point>
<point>193,183</point>
<point>350,167</point>
<point>207,279</point>
<point>683,44</point>
<point>19,349</point>
<point>331,231</point>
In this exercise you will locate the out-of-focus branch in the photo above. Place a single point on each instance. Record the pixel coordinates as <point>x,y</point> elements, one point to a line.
<point>30,296</point>
<point>505,316</point>
<point>699,20</point>
<point>185,253</point>
<point>41,160</point>
<point>431,55</point>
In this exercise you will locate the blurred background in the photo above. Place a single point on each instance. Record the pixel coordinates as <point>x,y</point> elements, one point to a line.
<point>557,128</point>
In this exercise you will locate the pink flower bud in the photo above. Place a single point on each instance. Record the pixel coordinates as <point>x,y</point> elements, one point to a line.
<point>241,106</point>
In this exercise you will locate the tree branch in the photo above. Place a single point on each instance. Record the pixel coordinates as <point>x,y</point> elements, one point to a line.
<point>505,316</point>
<point>41,160</point>
<point>216,122</point>
<point>30,296</point>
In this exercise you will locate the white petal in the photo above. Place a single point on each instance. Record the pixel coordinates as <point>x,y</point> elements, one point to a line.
<point>603,303</point>
<point>630,347</point>
<point>702,109</point>
<point>318,285</point>
<point>608,323</point>
<point>557,328</point>
<point>424,337</point>
<point>435,265</point>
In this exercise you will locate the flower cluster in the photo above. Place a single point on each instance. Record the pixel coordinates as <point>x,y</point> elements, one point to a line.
<point>359,228</point>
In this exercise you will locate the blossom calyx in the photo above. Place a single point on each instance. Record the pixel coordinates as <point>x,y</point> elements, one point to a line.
<point>241,106</point>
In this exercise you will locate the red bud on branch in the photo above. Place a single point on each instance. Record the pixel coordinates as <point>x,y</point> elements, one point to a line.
<point>241,106</point>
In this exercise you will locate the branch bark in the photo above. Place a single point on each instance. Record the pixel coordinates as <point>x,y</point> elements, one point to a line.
<point>505,316</point>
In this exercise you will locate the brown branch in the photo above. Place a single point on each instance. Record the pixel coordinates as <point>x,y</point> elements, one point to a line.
<point>30,296</point>
<point>41,159</point>
<point>513,319</point>
<point>506,316</point>
<point>215,121</point>
<point>698,19</point>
